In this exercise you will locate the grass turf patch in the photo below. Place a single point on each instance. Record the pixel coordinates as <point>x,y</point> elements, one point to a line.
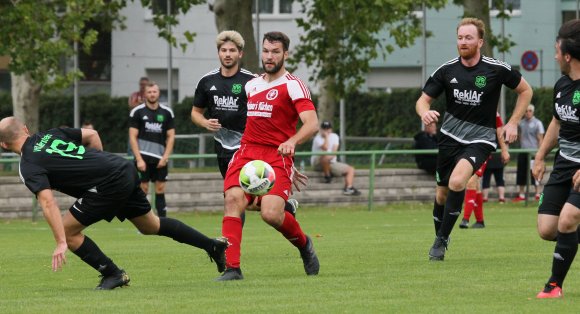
<point>370,262</point>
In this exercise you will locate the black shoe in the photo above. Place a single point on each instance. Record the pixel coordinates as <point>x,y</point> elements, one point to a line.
<point>351,191</point>
<point>464,224</point>
<point>478,225</point>
<point>293,206</point>
<point>218,253</point>
<point>309,258</point>
<point>231,274</point>
<point>437,251</point>
<point>113,281</point>
<point>327,179</point>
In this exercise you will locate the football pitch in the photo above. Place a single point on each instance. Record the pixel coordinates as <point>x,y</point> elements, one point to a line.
<point>371,262</point>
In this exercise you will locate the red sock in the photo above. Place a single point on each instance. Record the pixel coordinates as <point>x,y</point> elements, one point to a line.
<point>479,208</point>
<point>469,203</point>
<point>232,229</point>
<point>291,230</point>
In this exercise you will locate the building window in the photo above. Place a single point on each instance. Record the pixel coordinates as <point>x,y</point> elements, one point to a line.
<point>160,7</point>
<point>273,7</point>
<point>514,5</point>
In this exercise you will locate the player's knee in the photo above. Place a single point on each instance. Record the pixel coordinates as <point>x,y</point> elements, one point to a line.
<point>272,217</point>
<point>456,184</point>
<point>547,234</point>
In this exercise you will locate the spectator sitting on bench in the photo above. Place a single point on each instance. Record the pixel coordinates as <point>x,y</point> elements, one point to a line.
<point>426,139</point>
<point>327,141</point>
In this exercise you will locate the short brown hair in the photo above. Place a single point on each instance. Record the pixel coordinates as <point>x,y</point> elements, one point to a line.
<point>277,36</point>
<point>475,22</point>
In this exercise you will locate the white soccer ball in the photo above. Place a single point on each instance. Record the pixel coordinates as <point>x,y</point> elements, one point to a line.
<point>257,177</point>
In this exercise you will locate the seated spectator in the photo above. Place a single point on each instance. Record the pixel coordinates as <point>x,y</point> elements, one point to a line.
<point>426,139</point>
<point>327,141</point>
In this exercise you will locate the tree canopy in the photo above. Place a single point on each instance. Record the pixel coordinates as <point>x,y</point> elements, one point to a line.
<point>341,37</point>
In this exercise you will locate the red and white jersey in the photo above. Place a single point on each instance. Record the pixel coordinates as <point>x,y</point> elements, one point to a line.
<point>273,109</point>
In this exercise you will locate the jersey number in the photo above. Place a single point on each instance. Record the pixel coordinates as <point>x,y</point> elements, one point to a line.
<point>66,149</point>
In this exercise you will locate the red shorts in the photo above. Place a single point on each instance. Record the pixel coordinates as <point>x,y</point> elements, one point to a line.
<point>282,167</point>
<point>481,169</point>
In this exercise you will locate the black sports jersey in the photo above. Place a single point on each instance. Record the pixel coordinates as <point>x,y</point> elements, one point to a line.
<point>56,159</point>
<point>472,95</point>
<point>225,99</point>
<point>153,126</point>
<point>567,111</point>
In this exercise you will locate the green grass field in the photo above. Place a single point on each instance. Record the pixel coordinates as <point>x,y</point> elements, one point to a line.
<point>371,262</point>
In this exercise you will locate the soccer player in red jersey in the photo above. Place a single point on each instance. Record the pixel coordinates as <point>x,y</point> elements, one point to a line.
<point>276,101</point>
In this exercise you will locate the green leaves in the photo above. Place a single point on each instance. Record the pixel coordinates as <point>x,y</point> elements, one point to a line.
<point>342,37</point>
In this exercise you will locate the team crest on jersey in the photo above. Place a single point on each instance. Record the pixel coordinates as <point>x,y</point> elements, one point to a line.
<point>160,118</point>
<point>272,94</point>
<point>237,88</point>
<point>480,81</point>
<point>576,98</point>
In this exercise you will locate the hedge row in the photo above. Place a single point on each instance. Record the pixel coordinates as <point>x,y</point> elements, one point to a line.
<point>375,114</point>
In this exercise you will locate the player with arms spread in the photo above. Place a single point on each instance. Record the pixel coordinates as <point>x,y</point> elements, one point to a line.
<point>276,100</point>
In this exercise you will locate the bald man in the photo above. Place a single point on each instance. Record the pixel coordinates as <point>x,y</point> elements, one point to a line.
<point>106,186</point>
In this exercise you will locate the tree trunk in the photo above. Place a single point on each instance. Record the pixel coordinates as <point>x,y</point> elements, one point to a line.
<point>237,15</point>
<point>326,100</point>
<point>480,10</point>
<point>25,100</point>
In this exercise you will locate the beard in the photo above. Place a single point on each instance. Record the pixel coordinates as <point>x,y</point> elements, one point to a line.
<point>275,69</point>
<point>467,54</point>
<point>229,66</point>
<point>564,67</point>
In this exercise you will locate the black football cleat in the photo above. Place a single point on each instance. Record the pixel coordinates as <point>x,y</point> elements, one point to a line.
<point>478,225</point>
<point>309,258</point>
<point>111,282</point>
<point>293,206</point>
<point>437,251</point>
<point>218,253</point>
<point>464,224</point>
<point>231,274</point>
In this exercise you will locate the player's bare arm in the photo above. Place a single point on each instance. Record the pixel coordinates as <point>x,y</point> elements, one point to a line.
<point>197,117</point>
<point>550,141</point>
<point>524,98</point>
<point>423,109</point>
<point>169,143</point>
<point>91,138</point>
<point>133,133</point>
<point>307,131</point>
<point>52,215</point>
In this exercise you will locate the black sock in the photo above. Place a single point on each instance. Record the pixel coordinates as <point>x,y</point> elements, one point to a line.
<point>437,215</point>
<point>160,205</point>
<point>90,253</point>
<point>566,249</point>
<point>183,233</point>
<point>451,213</point>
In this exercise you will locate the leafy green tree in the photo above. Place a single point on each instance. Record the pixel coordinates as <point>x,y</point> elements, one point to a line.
<point>341,37</point>
<point>38,37</point>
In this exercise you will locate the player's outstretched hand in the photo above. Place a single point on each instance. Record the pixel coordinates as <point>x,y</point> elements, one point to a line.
<point>576,180</point>
<point>58,257</point>
<point>299,179</point>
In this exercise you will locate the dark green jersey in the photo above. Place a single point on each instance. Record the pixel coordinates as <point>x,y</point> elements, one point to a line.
<point>567,110</point>
<point>472,96</point>
<point>57,160</point>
